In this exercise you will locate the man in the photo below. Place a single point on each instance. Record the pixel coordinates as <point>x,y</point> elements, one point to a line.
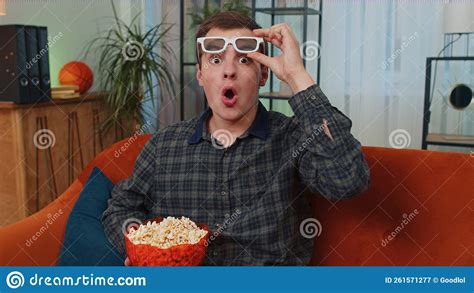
<point>239,168</point>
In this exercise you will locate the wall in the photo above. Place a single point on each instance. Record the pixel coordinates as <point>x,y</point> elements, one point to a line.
<point>72,23</point>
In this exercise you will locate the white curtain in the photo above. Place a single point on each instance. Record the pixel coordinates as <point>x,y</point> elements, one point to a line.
<point>362,73</point>
<point>373,68</point>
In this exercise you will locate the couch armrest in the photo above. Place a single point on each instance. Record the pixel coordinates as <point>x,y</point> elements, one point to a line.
<point>37,239</point>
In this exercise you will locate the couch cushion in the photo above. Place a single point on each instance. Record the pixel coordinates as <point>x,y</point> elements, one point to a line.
<point>419,210</point>
<point>118,160</point>
<point>37,239</point>
<point>85,243</point>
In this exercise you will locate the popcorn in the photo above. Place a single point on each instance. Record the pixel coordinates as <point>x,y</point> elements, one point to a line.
<point>169,232</point>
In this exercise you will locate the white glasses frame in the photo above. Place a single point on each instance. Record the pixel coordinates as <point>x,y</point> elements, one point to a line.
<point>231,41</point>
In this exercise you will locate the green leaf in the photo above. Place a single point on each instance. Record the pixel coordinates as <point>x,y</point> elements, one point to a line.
<point>128,80</point>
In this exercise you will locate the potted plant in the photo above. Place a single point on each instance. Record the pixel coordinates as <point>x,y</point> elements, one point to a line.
<point>130,69</point>
<point>230,5</point>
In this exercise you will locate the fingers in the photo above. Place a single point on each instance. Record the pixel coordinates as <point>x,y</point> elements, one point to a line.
<point>279,32</point>
<point>276,42</point>
<point>260,58</point>
<point>127,262</point>
<point>261,32</point>
<point>273,37</point>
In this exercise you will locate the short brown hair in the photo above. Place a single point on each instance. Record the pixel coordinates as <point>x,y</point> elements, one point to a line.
<point>227,20</point>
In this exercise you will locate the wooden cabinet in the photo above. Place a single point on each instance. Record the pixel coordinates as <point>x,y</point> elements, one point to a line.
<point>44,147</point>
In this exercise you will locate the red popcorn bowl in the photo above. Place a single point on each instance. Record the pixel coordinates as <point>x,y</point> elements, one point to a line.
<point>176,255</point>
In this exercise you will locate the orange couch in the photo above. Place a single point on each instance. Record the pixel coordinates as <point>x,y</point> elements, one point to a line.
<point>419,210</point>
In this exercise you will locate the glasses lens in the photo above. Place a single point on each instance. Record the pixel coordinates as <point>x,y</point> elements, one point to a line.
<point>214,44</point>
<point>246,44</point>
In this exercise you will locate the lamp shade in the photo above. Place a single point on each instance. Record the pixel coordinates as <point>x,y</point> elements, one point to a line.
<point>458,17</point>
<point>3,11</point>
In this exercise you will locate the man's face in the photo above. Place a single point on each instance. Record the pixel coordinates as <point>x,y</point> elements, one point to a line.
<point>230,79</point>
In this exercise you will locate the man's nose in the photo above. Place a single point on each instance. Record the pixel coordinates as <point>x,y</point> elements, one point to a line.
<point>230,70</point>
<point>229,74</point>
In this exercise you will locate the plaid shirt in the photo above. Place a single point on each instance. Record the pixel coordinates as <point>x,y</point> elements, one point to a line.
<point>251,194</point>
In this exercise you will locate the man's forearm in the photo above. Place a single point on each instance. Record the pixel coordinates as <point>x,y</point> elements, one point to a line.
<point>299,81</point>
<point>331,165</point>
<point>125,208</point>
<point>128,201</point>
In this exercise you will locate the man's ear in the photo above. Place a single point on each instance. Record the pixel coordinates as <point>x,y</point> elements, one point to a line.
<point>264,78</point>
<point>198,74</point>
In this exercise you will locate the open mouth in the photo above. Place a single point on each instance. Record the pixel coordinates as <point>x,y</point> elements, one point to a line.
<point>229,96</point>
<point>229,93</point>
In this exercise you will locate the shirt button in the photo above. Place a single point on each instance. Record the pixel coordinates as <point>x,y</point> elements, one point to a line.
<point>226,215</point>
<point>223,192</point>
<point>218,225</point>
<point>214,253</point>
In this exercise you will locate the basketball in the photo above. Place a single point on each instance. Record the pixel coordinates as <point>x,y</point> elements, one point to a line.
<point>76,73</point>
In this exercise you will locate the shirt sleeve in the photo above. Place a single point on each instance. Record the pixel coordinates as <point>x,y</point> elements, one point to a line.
<point>329,159</point>
<point>130,199</point>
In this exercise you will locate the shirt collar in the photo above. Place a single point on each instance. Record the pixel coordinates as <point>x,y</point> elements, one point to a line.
<point>258,128</point>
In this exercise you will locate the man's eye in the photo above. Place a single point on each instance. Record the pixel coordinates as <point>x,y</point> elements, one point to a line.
<point>244,60</point>
<point>215,60</point>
